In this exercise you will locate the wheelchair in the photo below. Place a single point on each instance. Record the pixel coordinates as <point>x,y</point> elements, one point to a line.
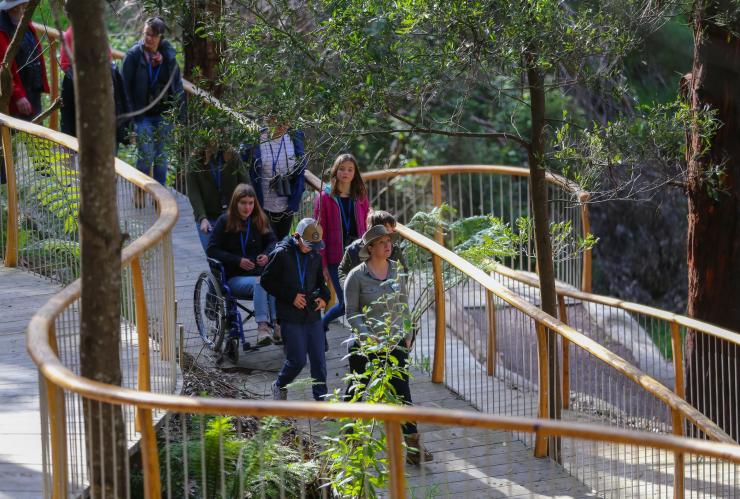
<point>219,316</point>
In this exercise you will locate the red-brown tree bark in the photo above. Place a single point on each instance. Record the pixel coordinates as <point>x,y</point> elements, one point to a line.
<point>202,52</point>
<point>714,216</point>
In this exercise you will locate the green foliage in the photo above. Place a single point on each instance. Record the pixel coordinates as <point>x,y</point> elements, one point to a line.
<point>55,183</point>
<point>223,463</point>
<point>607,160</point>
<point>485,240</point>
<point>355,450</point>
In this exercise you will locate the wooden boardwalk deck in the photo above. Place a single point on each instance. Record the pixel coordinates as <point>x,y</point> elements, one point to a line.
<point>21,294</point>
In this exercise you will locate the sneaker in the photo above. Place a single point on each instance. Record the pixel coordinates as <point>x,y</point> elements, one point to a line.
<point>263,334</point>
<point>279,393</point>
<point>277,338</point>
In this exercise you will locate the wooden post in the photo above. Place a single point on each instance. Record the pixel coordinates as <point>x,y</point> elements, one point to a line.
<point>566,354</point>
<point>587,256</point>
<point>142,329</point>
<point>58,429</point>
<point>11,244</point>
<point>491,343</point>
<point>440,320</point>
<point>541,442</point>
<point>168,311</point>
<point>393,440</point>
<point>149,456</point>
<point>678,423</point>
<point>54,119</point>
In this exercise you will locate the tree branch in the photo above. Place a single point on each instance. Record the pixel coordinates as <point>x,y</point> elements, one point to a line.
<point>448,133</point>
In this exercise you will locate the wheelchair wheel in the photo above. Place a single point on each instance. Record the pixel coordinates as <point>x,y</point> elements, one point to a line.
<point>232,350</point>
<point>210,311</point>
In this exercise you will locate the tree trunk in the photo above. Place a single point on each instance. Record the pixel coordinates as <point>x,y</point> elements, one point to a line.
<point>543,244</point>
<point>202,53</point>
<point>714,218</point>
<point>101,240</point>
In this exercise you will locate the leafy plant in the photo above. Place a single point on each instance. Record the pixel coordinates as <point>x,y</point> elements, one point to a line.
<point>355,450</point>
<point>222,462</point>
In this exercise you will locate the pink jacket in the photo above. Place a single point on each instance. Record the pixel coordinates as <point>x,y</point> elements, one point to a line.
<point>326,212</point>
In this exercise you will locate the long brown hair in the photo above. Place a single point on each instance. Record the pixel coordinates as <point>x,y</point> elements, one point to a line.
<point>357,188</point>
<point>259,219</point>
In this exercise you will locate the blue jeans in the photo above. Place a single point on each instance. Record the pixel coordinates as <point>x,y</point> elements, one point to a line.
<point>300,340</point>
<point>337,310</point>
<point>152,133</point>
<point>249,287</point>
<point>204,238</point>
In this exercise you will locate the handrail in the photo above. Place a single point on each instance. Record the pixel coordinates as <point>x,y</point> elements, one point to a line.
<point>516,171</point>
<point>602,353</point>
<point>682,320</point>
<point>53,370</point>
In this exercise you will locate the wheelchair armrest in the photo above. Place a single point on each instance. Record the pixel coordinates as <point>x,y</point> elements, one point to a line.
<point>217,268</point>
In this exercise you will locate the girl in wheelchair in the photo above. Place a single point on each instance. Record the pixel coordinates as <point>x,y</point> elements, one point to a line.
<point>241,240</point>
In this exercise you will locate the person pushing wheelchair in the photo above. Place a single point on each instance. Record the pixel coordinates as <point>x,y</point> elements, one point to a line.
<point>295,278</point>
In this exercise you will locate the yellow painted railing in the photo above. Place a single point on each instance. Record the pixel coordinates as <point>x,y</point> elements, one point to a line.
<point>63,385</point>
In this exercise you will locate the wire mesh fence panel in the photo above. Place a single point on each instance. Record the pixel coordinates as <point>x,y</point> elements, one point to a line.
<point>47,185</point>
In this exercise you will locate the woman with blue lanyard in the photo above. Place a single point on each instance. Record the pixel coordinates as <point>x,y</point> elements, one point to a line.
<point>276,168</point>
<point>342,212</point>
<point>210,182</point>
<point>241,240</point>
<point>154,87</point>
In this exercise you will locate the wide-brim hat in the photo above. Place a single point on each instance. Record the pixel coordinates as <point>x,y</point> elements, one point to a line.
<point>9,4</point>
<point>373,234</point>
<point>311,233</point>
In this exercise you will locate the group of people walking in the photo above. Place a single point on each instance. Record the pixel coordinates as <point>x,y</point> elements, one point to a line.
<point>286,271</point>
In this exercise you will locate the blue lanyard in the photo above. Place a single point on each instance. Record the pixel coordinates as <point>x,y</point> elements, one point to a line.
<point>244,237</point>
<point>215,167</point>
<point>301,268</point>
<point>153,74</point>
<point>276,156</point>
<point>346,220</point>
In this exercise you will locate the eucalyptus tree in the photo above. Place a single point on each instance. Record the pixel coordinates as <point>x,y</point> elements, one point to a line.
<point>713,190</point>
<point>101,241</point>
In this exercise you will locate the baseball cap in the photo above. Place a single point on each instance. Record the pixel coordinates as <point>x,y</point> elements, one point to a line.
<point>311,233</point>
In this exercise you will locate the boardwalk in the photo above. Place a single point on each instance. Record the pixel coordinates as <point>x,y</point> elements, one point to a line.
<point>21,294</point>
<point>467,461</point>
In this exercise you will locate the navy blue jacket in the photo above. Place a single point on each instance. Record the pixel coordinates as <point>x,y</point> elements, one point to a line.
<point>136,78</point>
<point>280,279</point>
<point>252,156</point>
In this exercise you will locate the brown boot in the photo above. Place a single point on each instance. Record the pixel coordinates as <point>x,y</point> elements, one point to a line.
<point>415,449</point>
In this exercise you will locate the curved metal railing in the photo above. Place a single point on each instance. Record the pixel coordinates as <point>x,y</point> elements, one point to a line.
<point>674,461</point>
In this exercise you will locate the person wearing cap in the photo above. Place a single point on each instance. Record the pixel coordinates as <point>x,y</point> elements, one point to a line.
<point>351,258</point>
<point>294,277</point>
<point>28,68</point>
<point>376,304</point>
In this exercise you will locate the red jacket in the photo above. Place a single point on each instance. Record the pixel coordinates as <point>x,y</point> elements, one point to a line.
<point>18,90</point>
<point>326,212</point>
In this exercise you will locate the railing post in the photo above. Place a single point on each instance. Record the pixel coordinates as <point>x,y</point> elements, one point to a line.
<point>11,244</point>
<point>142,329</point>
<point>149,456</point>
<point>440,321</point>
<point>168,330</point>
<point>393,438</point>
<point>54,118</point>
<point>543,410</point>
<point>566,354</point>
<point>58,428</point>
<point>679,468</point>
<point>587,256</point>
<point>491,338</point>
